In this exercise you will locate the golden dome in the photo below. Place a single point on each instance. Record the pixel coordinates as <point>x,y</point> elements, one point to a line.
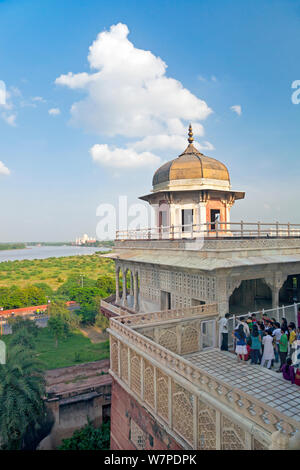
<point>191,165</point>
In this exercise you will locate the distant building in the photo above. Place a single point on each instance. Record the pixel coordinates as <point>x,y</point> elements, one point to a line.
<point>85,240</point>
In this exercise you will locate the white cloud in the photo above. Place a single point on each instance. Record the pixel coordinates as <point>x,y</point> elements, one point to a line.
<point>3,169</point>
<point>54,111</point>
<point>164,142</point>
<point>122,158</point>
<point>9,119</point>
<point>39,98</point>
<point>129,94</point>
<point>2,93</point>
<point>237,108</point>
<point>6,104</point>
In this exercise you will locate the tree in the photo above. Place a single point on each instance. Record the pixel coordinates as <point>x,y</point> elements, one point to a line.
<point>18,323</point>
<point>24,332</point>
<point>23,337</point>
<point>102,322</point>
<point>61,321</point>
<point>22,388</point>
<point>88,438</point>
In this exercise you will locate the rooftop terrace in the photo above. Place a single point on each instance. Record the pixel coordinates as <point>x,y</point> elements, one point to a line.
<point>169,363</point>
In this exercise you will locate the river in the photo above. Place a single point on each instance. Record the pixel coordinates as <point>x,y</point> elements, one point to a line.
<point>42,252</point>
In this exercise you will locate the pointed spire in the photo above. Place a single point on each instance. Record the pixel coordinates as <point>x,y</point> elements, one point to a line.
<point>190,139</point>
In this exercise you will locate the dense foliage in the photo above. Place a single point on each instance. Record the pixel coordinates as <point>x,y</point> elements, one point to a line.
<point>12,246</point>
<point>61,320</point>
<point>53,271</point>
<point>88,438</point>
<point>22,388</point>
<point>16,297</point>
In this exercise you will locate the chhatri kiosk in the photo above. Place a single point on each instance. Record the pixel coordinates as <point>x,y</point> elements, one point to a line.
<point>172,387</point>
<point>192,190</point>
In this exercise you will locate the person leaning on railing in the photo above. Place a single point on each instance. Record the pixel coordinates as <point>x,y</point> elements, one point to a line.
<point>292,338</point>
<point>223,326</point>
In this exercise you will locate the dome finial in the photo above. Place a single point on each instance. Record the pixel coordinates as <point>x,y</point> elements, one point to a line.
<point>190,139</point>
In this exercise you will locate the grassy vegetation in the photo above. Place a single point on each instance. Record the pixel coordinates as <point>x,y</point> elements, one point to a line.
<point>53,271</point>
<point>75,349</point>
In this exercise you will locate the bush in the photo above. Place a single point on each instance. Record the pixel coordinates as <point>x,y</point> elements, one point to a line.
<point>88,438</point>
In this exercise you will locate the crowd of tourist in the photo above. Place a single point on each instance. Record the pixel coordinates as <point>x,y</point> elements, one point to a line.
<point>266,342</point>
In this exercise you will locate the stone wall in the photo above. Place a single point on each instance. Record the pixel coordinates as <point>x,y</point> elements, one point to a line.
<point>133,427</point>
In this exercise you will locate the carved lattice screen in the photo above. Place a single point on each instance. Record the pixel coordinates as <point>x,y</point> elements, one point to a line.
<point>206,427</point>
<point>135,373</point>
<point>232,436</point>
<point>149,383</point>
<point>162,395</point>
<point>182,406</point>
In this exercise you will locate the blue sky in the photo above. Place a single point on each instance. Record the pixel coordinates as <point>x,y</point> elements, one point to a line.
<point>218,54</point>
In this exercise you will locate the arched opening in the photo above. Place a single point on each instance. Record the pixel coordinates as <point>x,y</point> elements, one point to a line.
<point>252,295</point>
<point>290,291</point>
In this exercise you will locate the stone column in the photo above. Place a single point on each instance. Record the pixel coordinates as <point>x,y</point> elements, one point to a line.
<point>275,297</point>
<point>275,281</point>
<point>124,297</point>
<point>202,215</point>
<point>131,283</point>
<point>225,287</point>
<point>135,293</point>
<point>294,442</point>
<point>118,285</point>
<point>280,441</point>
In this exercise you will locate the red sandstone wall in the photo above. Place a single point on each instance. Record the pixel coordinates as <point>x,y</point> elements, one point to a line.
<point>28,310</point>
<point>123,409</point>
<point>214,204</point>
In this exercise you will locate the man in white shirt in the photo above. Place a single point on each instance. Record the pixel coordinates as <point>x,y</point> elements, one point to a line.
<point>277,334</point>
<point>223,328</point>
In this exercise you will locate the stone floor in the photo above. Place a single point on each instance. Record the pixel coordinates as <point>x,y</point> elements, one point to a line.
<point>265,385</point>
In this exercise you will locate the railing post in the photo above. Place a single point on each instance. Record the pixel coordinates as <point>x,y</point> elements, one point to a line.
<point>258,228</point>
<point>170,400</point>
<point>192,231</point>
<point>242,229</point>
<point>296,314</point>
<point>195,421</point>
<point>277,229</point>
<point>289,229</point>
<point>172,232</point>
<point>217,228</point>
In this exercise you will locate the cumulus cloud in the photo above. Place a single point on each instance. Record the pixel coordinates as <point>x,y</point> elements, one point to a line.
<point>39,98</point>
<point>10,119</point>
<point>3,169</point>
<point>237,108</point>
<point>128,94</point>
<point>122,158</point>
<point>162,142</point>
<point>6,105</point>
<point>2,93</point>
<point>54,111</point>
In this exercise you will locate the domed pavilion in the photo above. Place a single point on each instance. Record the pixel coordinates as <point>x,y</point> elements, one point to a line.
<point>192,189</point>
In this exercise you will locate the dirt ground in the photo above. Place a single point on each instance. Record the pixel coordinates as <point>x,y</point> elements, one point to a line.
<point>95,334</point>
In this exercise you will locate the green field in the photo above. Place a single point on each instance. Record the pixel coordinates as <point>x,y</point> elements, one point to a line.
<point>75,349</point>
<point>53,271</point>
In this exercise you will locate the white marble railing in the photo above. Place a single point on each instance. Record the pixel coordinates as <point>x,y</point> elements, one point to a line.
<point>119,311</point>
<point>206,310</point>
<point>213,229</point>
